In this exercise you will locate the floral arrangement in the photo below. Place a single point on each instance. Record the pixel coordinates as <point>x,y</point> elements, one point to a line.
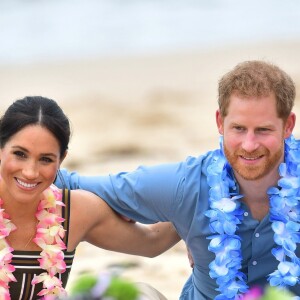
<point>105,286</point>
<point>269,293</point>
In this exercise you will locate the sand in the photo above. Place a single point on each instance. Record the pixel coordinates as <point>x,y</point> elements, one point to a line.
<point>127,111</point>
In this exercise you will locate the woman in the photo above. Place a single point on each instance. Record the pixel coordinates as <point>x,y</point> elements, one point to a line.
<point>41,226</point>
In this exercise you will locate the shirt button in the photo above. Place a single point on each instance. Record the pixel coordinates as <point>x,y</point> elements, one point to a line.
<point>256,234</point>
<point>246,214</point>
<point>254,263</point>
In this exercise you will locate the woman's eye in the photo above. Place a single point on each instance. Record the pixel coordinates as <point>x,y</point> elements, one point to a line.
<point>46,159</point>
<point>19,154</point>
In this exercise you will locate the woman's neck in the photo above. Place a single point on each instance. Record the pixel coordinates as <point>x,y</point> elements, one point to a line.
<point>18,211</point>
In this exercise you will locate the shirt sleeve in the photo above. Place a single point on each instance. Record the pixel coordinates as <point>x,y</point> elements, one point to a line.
<point>147,195</point>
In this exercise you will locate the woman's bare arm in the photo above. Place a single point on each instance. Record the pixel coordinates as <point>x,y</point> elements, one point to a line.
<point>92,220</point>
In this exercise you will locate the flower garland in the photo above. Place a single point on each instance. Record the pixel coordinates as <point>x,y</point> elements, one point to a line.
<point>6,269</point>
<point>226,214</point>
<point>49,235</point>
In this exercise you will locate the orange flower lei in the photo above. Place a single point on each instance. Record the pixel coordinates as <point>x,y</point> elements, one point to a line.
<point>49,237</point>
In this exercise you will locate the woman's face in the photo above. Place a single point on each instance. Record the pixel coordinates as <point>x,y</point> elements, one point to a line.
<point>29,162</point>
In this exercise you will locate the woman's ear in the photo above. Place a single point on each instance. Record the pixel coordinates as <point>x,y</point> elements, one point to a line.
<point>63,157</point>
<point>219,121</point>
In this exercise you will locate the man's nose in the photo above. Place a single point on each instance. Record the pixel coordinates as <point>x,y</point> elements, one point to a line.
<point>250,142</point>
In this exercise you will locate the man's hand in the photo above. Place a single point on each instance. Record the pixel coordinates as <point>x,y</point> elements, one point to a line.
<point>190,257</point>
<point>127,219</point>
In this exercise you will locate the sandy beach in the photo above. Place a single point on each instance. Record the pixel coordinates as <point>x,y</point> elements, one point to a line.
<point>127,111</point>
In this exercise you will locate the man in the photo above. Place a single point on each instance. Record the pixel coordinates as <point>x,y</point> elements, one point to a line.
<point>219,202</point>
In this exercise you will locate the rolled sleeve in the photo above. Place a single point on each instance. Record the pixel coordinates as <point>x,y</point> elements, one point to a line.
<point>147,195</point>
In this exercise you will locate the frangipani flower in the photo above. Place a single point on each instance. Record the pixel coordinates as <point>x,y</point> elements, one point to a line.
<point>53,262</point>
<point>286,274</point>
<point>5,254</point>
<point>4,293</point>
<point>48,218</point>
<point>6,274</point>
<point>286,234</point>
<point>49,235</point>
<point>6,227</point>
<point>226,205</point>
<point>52,197</point>
<point>52,286</point>
<point>48,281</point>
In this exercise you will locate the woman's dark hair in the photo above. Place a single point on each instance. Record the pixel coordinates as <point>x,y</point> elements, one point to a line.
<point>35,110</point>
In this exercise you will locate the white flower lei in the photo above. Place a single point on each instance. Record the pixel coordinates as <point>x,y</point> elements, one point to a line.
<point>226,214</point>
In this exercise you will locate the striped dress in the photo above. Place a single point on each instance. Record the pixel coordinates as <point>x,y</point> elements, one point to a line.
<point>27,265</point>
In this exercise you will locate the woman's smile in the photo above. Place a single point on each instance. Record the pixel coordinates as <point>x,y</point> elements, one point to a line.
<point>26,185</point>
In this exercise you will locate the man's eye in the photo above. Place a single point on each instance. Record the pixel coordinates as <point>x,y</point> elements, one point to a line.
<point>263,129</point>
<point>238,128</point>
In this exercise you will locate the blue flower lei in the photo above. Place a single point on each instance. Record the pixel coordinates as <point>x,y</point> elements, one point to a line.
<point>226,214</point>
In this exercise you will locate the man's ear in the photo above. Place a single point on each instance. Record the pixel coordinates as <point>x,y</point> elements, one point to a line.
<point>288,126</point>
<point>219,121</point>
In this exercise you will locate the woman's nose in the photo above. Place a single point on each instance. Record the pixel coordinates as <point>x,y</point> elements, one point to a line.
<point>30,171</point>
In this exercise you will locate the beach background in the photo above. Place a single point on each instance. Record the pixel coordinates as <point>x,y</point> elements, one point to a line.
<point>138,80</point>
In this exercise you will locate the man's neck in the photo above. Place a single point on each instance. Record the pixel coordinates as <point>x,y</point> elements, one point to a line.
<point>255,193</point>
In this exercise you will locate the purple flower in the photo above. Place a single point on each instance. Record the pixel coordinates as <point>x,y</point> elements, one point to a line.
<point>255,293</point>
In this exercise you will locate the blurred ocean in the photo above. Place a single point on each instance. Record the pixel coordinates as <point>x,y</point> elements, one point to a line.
<point>43,30</point>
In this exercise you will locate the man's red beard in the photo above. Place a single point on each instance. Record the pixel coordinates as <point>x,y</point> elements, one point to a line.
<point>257,171</point>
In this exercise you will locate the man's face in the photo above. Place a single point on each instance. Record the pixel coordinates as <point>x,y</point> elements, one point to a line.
<point>254,135</point>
